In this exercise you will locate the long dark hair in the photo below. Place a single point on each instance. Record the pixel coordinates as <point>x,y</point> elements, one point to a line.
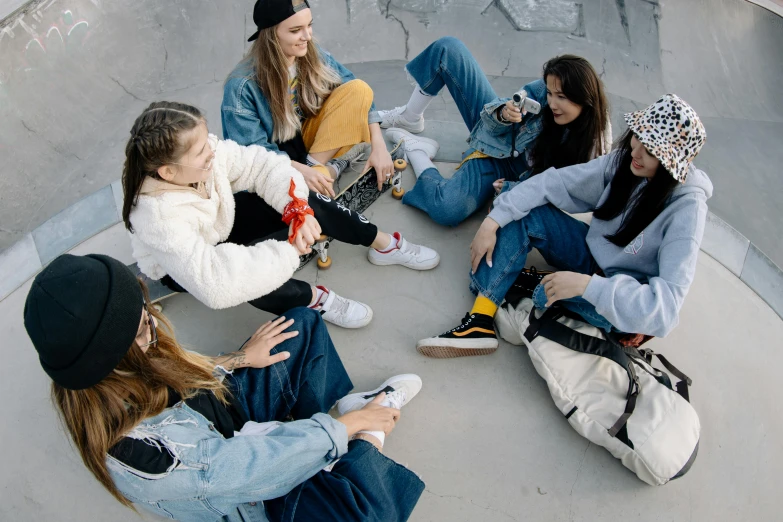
<point>581,85</point>
<point>638,210</point>
<point>154,142</point>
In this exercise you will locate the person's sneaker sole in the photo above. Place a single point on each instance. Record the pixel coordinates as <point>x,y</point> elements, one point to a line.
<point>347,403</point>
<point>439,348</point>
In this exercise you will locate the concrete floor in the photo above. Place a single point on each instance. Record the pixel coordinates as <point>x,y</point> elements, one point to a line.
<point>483,433</point>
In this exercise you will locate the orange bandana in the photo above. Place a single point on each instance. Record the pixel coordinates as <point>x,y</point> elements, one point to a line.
<point>295,212</point>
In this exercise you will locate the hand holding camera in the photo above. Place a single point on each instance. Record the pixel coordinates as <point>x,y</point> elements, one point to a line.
<point>524,103</point>
<point>510,113</point>
<point>518,106</point>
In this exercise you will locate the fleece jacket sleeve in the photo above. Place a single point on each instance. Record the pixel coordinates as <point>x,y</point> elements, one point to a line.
<point>220,276</point>
<point>575,189</point>
<point>256,169</point>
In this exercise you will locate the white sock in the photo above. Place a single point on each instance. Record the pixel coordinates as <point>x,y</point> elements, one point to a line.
<point>392,244</point>
<point>416,105</point>
<point>381,436</point>
<point>419,161</point>
<point>311,161</point>
<point>321,293</point>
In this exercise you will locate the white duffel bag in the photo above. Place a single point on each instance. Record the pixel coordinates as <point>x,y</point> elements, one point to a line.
<point>610,394</point>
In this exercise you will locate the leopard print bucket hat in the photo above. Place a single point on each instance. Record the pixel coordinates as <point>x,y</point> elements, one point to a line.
<point>672,132</point>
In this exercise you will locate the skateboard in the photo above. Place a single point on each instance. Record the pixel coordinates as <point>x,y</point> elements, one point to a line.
<point>356,190</point>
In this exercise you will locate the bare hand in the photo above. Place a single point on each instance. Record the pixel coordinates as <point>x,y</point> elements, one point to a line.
<point>484,243</point>
<point>381,160</point>
<point>317,181</point>
<point>564,285</point>
<point>306,236</point>
<point>498,185</point>
<point>512,113</point>
<point>255,353</point>
<point>373,417</point>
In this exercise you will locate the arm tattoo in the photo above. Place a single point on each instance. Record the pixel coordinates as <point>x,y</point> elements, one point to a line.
<point>232,361</point>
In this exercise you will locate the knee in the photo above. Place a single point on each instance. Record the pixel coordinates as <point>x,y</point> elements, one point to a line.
<point>310,327</point>
<point>451,45</point>
<point>304,318</point>
<point>449,214</point>
<point>358,90</point>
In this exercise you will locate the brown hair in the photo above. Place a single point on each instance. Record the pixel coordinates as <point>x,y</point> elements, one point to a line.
<point>585,139</point>
<point>154,142</point>
<point>316,81</point>
<point>98,417</point>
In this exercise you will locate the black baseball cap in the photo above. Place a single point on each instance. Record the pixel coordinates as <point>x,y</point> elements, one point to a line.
<point>269,13</point>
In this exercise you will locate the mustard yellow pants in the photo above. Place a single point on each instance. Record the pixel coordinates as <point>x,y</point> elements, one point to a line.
<point>342,121</point>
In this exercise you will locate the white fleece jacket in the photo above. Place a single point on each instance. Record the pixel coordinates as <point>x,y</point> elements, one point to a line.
<point>176,230</point>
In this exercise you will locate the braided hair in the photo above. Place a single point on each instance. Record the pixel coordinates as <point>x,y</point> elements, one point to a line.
<point>154,142</point>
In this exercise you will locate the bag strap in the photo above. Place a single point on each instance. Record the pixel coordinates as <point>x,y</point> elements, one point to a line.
<point>630,404</point>
<point>548,326</point>
<point>685,381</point>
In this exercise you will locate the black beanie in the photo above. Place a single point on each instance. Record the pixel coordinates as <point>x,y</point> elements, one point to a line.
<point>82,314</point>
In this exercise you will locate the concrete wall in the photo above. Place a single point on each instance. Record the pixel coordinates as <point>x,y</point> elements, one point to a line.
<point>75,73</point>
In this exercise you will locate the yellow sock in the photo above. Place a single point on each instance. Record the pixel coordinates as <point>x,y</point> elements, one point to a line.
<point>484,306</point>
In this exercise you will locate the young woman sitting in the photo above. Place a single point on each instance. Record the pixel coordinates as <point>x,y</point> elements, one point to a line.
<point>228,223</point>
<point>631,268</point>
<point>196,438</point>
<point>506,144</point>
<point>294,98</point>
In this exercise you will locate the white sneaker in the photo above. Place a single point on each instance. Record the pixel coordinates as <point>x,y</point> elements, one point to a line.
<point>399,389</point>
<point>415,257</point>
<point>411,142</point>
<point>345,313</point>
<point>394,118</point>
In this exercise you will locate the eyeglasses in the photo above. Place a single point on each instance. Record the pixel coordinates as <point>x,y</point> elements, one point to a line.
<point>153,330</point>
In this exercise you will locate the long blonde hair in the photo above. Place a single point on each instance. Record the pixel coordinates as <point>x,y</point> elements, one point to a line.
<point>98,417</point>
<point>316,81</point>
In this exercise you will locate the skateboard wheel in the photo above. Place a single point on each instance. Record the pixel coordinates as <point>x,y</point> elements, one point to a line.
<point>323,265</point>
<point>400,164</point>
<point>398,193</point>
<point>158,307</point>
<point>322,238</point>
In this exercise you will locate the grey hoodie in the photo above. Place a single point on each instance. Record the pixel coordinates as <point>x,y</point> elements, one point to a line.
<point>646,282</point>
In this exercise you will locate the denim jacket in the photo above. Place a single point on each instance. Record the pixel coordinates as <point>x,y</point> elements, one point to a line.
<point>245,112</point>
<point>493,137</point>
<point>214,478</point>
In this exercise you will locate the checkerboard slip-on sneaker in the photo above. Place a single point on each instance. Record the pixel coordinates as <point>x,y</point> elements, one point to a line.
<point>399,390</point>
<point>475,336</point>
<point>394,118</point>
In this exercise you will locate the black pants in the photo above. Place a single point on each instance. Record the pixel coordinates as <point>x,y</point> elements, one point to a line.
<point>256,221</point>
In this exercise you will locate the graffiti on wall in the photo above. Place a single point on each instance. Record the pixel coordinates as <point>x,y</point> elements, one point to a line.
<point>40,35</point>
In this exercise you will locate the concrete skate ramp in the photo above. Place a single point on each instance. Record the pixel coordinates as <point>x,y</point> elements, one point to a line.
<point>483,433</point>
<point>75,73</point>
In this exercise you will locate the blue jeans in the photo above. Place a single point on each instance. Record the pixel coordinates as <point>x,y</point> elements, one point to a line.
<point>364,484</point>
<point>559,238</point>
<point>447,62</point>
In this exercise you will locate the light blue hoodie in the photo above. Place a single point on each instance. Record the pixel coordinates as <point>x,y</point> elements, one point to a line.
<point>646,282</point>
